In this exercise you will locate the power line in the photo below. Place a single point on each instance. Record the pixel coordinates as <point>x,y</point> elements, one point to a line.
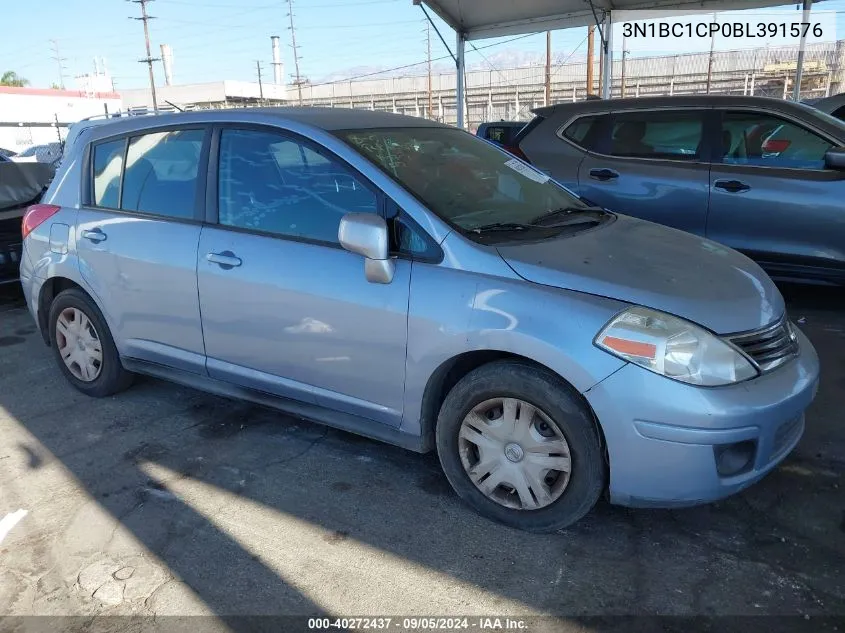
<point>403,67</point>
<point>149,58</point>
<point>59,59</point>
<point>568,57</point>
<point>205,5</point>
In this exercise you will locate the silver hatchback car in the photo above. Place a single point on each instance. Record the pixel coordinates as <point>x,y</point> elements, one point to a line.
<point>407,281</point>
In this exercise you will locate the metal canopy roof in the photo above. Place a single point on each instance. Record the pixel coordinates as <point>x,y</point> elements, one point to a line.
<point>477,19</point>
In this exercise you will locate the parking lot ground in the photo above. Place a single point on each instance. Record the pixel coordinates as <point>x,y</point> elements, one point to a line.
<point>166,501</point>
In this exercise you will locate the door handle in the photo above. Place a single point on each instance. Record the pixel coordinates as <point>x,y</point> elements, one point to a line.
<point>734,186</point>
<point>226,260</point>
<point>95,235</point>
<point>603,174</point>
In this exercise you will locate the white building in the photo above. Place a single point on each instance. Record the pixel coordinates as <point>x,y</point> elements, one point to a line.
<point>28,116</point>
<point>203,96</point>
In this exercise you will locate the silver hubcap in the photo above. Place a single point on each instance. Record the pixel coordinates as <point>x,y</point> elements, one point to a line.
<point>79,344</point>
<point>515,454</point>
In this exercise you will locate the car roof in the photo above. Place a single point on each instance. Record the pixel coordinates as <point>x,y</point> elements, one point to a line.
<point>828,104</point>
<point>676,101</point>
<point>329,119</point>
<point>504,123</point>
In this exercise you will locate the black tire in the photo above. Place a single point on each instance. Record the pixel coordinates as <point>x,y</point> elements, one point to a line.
<point>562,404</point>
<point>112,377</point>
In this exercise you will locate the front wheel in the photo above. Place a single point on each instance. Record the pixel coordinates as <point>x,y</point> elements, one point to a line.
<point>520,447</point>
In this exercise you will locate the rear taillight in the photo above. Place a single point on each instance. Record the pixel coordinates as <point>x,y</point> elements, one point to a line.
<point>36,215</point>
<point>514,149</point>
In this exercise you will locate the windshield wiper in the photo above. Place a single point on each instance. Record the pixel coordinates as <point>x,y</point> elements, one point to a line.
<point>503,226</point>
<point>566,213</point>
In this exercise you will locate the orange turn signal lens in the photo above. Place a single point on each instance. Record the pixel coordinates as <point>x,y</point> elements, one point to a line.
<point>631,348</point>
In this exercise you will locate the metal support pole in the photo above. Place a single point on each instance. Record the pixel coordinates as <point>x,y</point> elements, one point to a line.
<point>607,56</point>
<point>547,94</point>
<point>799,67</point>
<point>460,66</point>
<point>591,30</point>
<point>710,59</point>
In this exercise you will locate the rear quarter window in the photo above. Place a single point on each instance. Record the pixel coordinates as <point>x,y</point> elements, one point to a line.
<point>584,131</point>
<point>108,165</point>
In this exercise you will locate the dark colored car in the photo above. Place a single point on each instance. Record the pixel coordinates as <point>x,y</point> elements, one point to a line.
<point>501,133</point>
<point>21,184</point>
<point>763,176</point>
<point>834,106</point>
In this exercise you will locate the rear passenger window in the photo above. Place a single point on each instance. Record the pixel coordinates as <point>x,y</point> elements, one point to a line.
<point>670,135</point>
<point>161,173</point>
<point>268,182</point>
<point>108,163</point>
<point>498,134</point>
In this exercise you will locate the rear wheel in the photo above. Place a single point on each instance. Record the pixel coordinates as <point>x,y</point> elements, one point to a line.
<point>520,447</point>
<point>84,347</point>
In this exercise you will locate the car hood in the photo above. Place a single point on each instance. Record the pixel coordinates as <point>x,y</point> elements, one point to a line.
<point>655,266</point>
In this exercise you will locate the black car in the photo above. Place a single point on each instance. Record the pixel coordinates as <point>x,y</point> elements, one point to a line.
<point>23,185</point>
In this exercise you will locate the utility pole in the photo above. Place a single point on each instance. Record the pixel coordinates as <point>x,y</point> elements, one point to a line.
<point>710,60</point>
<point>428,51</point>
<point>59,59</point>
<point>295,51</point>
<point>548,68</point>
<point>149,59</point>
<point>624,59</point>
<point>260,84</point>
<point>591,41</point>
<point>802,45</point>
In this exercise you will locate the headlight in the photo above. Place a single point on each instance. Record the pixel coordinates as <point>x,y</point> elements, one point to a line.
<point>674,348</point>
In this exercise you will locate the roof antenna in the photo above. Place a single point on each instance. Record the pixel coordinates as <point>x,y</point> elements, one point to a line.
<point>170,103</point>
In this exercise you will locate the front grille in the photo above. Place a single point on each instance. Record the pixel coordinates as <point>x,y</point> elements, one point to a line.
<point>769,347</point>
<point>786,434</point>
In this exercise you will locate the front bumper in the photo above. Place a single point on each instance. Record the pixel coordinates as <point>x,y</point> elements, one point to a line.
<point>661,433</point>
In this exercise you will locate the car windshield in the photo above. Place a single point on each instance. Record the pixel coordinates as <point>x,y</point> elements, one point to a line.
<point>466,181</point>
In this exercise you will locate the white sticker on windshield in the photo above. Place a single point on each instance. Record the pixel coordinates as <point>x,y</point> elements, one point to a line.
<point>529,172</point>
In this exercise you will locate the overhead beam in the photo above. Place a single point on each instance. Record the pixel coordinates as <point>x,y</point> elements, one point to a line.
<point>460,65</point>
<point>607,53</point>
<point>580,13</point>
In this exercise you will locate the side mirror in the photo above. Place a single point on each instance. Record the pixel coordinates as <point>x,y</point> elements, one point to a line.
<point>834,158</point>
<point>366,234</point>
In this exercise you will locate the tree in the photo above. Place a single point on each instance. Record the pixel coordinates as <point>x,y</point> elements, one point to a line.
<point>11,78</point>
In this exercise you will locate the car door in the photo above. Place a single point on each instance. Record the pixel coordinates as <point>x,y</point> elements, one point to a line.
<point>285,309</point>
<point>650,164</point>
<point>773,199</point>
<point>136,241</point>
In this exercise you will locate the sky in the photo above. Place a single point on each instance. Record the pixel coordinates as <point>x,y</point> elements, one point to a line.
<point>222,39</point>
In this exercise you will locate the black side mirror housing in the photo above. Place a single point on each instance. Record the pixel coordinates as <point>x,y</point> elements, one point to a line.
<point>834,158</point>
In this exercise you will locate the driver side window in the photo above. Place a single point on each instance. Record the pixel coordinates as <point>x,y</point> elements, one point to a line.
<point>752,138</point>
<point>272,183</point>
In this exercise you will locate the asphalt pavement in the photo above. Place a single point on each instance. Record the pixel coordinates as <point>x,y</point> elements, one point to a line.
<point>167,501</point>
